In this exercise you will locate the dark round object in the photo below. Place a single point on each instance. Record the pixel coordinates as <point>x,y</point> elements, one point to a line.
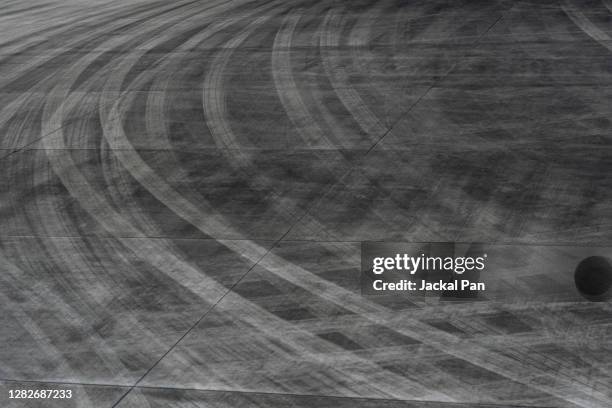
<point>593,278</point>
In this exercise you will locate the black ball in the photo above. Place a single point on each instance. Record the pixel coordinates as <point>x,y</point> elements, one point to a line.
<point>593,278</point>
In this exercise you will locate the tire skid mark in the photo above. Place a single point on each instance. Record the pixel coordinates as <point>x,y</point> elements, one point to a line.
<point>188,276</point>
<point>10,16</point>
<point>22,102</point>
<point>240,161</point>
<point>316,97</point>
<point>215,107</point>
<point>31,37</point>
<point>39,295</point>
<point>478,359</point>
<point>33,329</point>
<point>359,42</point>
<point>287,90</point>
<point>146,21</point>
<point>588,27</point>
<point>159,257</point>
<point>308,281</point>
<point>50,220</point>
<point>330,44</point>
<point>73,260</point>
<point>278,265</point>
<point>154,107</point>
<point>118,186</point>
<point>237,156</point>
<point>134,323</point>
<point>66,170</point>
<point>67,166</point>
<point>353,302</point>
<point>475,354</point>
<point>155,110</point>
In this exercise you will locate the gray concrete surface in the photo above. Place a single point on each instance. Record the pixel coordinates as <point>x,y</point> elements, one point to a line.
<point>184,186</point>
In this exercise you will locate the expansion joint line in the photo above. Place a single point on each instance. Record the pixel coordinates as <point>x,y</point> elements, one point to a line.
<point>33,142</point>
<point>206,313</point>
<point>306,212</point>
<point>436,83</point>
<point>433,85</point>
